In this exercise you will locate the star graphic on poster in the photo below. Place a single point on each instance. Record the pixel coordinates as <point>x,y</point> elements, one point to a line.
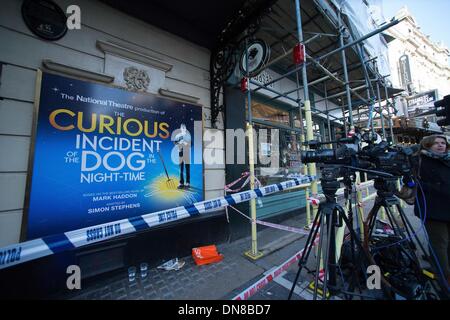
<point>55,89</point>
<point>71,84</point>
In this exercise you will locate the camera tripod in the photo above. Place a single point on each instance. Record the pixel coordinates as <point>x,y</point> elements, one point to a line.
<point>385,199</point>
<point>330,215</point>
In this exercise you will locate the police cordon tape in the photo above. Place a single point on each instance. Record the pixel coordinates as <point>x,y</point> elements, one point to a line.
<point>34,249</point>
<point>246,175</point>
<point>276,272</point>
<point>273,225</point>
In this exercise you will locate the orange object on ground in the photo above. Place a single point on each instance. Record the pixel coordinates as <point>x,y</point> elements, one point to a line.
<point>206,255</point>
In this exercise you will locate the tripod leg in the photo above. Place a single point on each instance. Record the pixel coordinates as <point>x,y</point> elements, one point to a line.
<point>411,255</point>
<point>349,224</point>
<point>372,218</point>
<point>361,249</point>
<point>340,233</point>
<point>307,249</point>
<point>311,237</point>
<point>408,238</point>
<point>393,221</point>
<point>340,238</point>
<point>354,280</point>
<point>352,250</point>
<point>329,255</point>
<point>408,227</point>
<point>319,256</point>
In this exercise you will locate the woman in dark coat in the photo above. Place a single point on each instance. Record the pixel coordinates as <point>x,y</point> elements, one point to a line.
<point>434,178</point>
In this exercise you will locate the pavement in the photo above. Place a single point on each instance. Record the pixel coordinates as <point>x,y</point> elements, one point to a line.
<point>223,280</point>
<point>217,281</point>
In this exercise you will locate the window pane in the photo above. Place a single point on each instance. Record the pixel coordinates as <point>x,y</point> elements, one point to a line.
<point>269,113</point>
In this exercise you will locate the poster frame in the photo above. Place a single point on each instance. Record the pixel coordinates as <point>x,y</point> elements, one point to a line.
<point>36,104</point>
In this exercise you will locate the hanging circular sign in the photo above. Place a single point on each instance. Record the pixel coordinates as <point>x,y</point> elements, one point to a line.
<point>258,56</point>
<point>44,18</point>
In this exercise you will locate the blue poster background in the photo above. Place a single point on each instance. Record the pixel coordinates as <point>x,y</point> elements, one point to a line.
<point>96,156</point>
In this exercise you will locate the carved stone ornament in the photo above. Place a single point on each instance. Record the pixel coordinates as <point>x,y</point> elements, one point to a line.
<point>135,79</point>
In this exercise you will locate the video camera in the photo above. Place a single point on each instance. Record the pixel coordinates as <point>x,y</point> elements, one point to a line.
<point>381,156</point>
<point>391,159</point>
<point>342,154</point>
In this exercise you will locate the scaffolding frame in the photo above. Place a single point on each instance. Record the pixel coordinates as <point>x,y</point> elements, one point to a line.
<point>371,96</point>
<point>304,108</point>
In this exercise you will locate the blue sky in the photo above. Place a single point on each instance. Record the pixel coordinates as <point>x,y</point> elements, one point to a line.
<point>431,15</point>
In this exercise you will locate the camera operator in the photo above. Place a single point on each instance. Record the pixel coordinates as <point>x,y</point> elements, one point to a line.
<point>433,173</point>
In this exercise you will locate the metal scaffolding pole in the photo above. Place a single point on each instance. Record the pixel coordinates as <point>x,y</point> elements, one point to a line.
<point>307,104</point>
<point>344,118</point>
<point>371,112</point>
<point>298,68</point>
<point>296,89</point>
<point>272,90</point>
<point>253,253</point>
<point>288,52</point>
<point>358,115</point>
<point>283,95</point>
<point>341,94</point>
<point>380,110</point>
<point>370,34</point>
<point>389,112</point>
<point>303,147</point>
<point>369,86</point>
<point>300,113</point>
<point>367,112</point>
<point>344,65</point>
<point>326,71</point>
<point>319,111</point>
<point>326,109</point>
